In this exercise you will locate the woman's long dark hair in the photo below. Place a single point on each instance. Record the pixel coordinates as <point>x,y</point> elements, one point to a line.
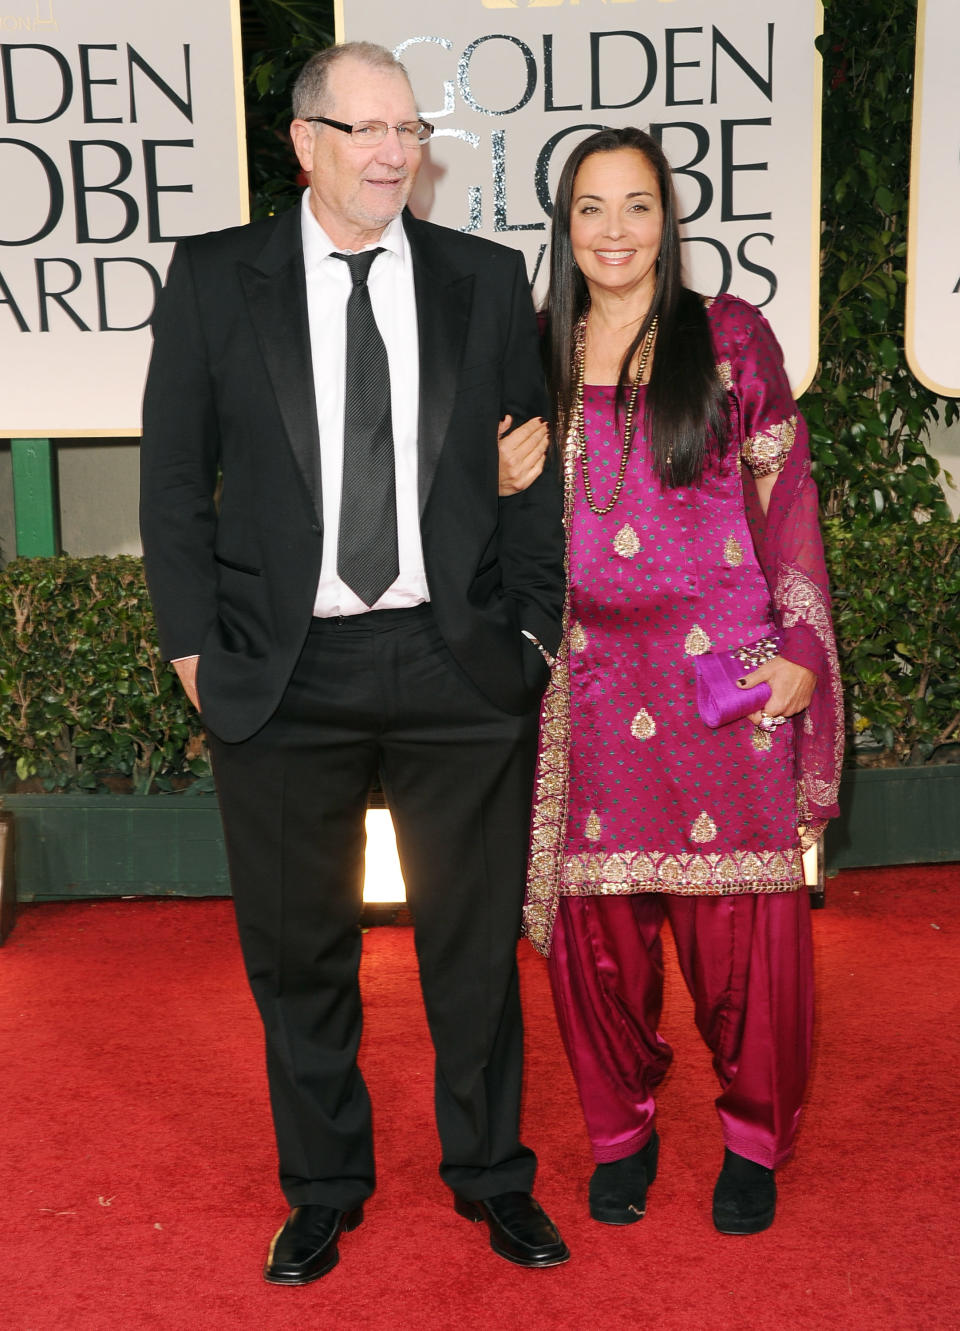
<point>686,404</point>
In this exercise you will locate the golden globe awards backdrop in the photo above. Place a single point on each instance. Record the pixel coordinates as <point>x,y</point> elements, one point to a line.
<point>933,251</point>
<point>730,87</point>
<point>122,130</point>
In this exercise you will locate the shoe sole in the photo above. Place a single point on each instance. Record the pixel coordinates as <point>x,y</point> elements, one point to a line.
<point>628,1215</point>
<point>531,1265</point>
<point>471,1211</point>
<point>324,1270</point>
<point>350,1221</point>
<point>756,1225</point>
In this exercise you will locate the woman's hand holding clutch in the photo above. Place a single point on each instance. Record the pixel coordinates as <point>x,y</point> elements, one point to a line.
<point>791,688</point>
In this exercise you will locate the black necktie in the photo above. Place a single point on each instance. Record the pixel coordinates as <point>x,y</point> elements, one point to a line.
<point>367,558</point>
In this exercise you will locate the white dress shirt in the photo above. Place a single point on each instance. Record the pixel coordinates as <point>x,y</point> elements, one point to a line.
<point>394,307</point>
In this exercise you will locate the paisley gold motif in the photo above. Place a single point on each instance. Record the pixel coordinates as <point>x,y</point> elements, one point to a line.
<point>643,725</point>
<point>626,543</point>
<point>578,638</point>
<point>669,871</point>
<point>551,783</point>
<point>593,830</point>
<point>576,872</point>
<point>704,828</point>
<point>733,552</point>
<point>725,374</point>
<point>696,642</point>
<point>762,740</point>
<point>617,872</point>
<point>725,869</point>
<point>699,873</point>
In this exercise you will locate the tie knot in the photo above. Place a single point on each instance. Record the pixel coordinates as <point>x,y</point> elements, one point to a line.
<point>359,264</point>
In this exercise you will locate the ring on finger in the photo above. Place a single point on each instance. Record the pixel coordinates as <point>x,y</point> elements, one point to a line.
<point>770,723</point>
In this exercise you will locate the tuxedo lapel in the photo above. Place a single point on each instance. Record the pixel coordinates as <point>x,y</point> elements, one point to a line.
<point>276,292</point>
<point>275,289</point>
<point>444,297</point>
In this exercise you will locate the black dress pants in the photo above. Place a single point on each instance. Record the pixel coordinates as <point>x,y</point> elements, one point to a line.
<point>381,693</point>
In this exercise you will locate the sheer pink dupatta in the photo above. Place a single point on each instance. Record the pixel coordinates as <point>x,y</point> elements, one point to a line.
<point>790,550</point>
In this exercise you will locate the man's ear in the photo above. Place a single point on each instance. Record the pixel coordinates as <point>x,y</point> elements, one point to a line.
<point>303,143</point>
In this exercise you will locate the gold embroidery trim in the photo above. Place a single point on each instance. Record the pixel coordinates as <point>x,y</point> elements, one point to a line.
<point>552,778</point>
<point>800,601</point>
<point>626,543</point>
<point>549,821</point>
<point>766,452</point>
<point>696,643</point>
<point>685,873</point>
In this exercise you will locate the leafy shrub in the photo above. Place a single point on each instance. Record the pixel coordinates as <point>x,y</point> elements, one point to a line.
<point>84,697</point>
<point>869,417</point>
<point>279,36</point>
<point>896,607</point>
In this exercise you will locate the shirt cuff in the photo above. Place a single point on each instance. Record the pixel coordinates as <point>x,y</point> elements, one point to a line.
<point>550,660</point>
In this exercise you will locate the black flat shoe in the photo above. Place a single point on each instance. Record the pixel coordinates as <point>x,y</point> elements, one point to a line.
<point>520,1229</point>
<point>618,1190</point>
<point>306,1247</point>
<point>745,1198</point>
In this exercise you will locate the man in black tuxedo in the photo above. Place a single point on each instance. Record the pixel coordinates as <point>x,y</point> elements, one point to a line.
<point>357,600</point>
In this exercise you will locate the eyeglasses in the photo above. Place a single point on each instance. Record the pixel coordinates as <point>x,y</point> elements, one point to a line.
<point>368,133</point>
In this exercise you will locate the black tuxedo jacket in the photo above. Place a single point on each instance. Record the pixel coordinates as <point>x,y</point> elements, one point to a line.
<point>231,512</point>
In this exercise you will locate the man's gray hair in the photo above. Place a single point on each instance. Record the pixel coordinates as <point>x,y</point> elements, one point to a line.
<point>310,89</point>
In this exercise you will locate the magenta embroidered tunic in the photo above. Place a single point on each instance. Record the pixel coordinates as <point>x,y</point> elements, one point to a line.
<point>635,793</point>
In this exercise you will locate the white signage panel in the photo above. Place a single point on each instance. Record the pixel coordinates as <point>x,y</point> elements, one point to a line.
<point>933,247</point>
<point>121,129</point>
<point>730,87</point>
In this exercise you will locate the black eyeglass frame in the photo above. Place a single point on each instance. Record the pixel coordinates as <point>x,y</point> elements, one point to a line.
<point>348,129</point>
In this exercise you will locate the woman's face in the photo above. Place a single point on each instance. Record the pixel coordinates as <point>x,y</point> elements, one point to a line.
<point>616,221</point>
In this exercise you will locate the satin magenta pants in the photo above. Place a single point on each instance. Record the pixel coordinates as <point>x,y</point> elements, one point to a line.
<point>747,962</point>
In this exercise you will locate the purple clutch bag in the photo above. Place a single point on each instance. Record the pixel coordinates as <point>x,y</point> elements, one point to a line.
<point>719,700</point>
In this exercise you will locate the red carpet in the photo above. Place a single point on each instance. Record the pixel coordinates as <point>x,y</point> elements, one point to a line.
<point>137,1174</point>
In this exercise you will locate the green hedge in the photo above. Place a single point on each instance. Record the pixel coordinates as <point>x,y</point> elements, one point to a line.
<point>86,703</point>
<point>896,608</point>
<point>869,417</point>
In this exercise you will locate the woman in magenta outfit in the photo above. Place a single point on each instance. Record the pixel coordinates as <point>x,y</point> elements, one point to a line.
<point>692,528</point>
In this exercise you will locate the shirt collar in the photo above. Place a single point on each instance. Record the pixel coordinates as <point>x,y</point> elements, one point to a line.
<point>317,245</point>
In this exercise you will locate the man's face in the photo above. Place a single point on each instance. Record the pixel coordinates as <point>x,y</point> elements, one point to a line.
<point>355,191</point>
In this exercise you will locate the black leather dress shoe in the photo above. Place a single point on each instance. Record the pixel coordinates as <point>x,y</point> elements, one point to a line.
<point>306,1247</point>
<point>618,1190</point>
<point>520,1229</point>
<point>745,1198</point>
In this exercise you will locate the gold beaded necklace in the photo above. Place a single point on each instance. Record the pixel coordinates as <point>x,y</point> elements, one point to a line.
<point>581,357</point>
